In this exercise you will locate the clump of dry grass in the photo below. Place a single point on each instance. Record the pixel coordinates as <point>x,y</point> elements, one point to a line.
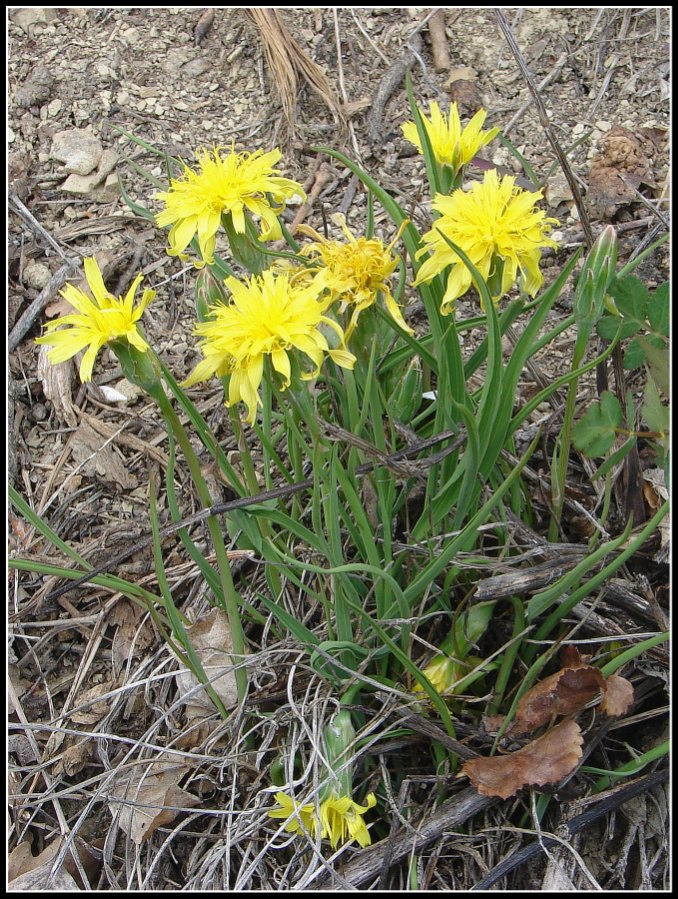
<point>288,63</point>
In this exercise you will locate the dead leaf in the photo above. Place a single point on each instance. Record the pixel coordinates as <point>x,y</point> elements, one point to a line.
<point>618,697</point>
<point>27,872</point>
<point>563,693</point>
<point>57,385</point>
<point>75,758</point>
<point>90,708</point>
<point>152,801</point>
<point>211,639</point>
<point>546,760</point>
<point>133,634</point>
<point>570,657</point>
<point>31,872</point>
<point>616,173</point>
<point>98,458</point>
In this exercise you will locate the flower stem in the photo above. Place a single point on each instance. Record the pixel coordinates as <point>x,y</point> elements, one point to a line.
<point>231,598</point>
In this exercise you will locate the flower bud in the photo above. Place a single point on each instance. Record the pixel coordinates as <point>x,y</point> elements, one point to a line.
<point>596,278</point>
<point>209,291</point>
<point>407,394</point>
<point>339,738</point>
<point>245,248</point>
<point>140,368</point>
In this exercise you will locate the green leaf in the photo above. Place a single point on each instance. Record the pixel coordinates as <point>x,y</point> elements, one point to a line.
<point>632,298</point>
<point>595,433</point>
<point>654,413</point>
<point>608,326</point>
<point>635,355</point>
<point>657,360</point>
<point>658,312</point>
<point>615,458</point>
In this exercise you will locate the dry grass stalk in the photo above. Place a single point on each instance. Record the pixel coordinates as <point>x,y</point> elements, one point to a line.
<point>287,61</point>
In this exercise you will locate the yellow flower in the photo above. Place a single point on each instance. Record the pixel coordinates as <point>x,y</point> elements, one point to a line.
<point>300,818</point>
<point>267,316</point>
<point>233,185</point>
<point>355,272</point>
<point>443,672</point>
<point>96,321</point>
<point>499,228</point>
<point>342,819</point>
<point>451,145</point>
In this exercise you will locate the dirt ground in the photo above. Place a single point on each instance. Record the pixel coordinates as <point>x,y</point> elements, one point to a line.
<point>83,459</point>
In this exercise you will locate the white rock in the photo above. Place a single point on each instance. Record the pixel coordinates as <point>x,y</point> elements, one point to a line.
<point>26,17</point>
<point>54,108</point>
<point>79,150</point>
<point>108,161</point>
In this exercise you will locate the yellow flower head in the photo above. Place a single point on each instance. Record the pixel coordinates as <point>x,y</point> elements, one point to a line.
<point>233,185</point>
<point>443,672</point>
<point>451,145</point>
<point>96,321</point>
<point>342,819</point>
<point>355,272</point>
<point>267,316</point>
<point>494,223</point>
<point>300,818</point>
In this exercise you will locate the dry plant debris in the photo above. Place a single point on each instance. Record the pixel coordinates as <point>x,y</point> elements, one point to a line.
<point>545,760</point>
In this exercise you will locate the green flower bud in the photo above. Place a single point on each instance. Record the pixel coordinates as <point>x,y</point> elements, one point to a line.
<point>209,291</point>
<point>140,368</point>
<point>405,399</point>
<point>245,248</point>
<point>339,738</point>
<point>596,278</point>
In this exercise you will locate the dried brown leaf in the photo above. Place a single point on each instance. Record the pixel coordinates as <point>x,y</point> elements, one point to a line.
<point>570,657</point>
<point>57,385</point>
<point>616,173</point>
<point>151,802</point>
<point>29,873</point>
<point>563,693</point>
<point>211,638</point>
<point>618,697</point>
<point>99,459</point>
<point>545,760</point>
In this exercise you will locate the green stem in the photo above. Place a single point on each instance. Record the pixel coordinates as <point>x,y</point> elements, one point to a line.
<point>561,452</point>
<point>231,598</point>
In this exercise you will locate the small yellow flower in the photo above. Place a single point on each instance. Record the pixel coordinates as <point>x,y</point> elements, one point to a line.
<point>443,672</point>
<point>342,819</point>
<point>452,145</point>
<point>300,818</point>
<point>267,316</point>
<point>234,184</point>
<point>495,224</point>
<point>96,321</point>
<point>355,272</point>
